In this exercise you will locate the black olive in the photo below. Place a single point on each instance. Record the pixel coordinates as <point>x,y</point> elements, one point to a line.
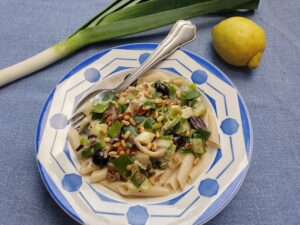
<point>115,140</point>
<point>155,163</point>
<point>196,122</point>
<point>92,136</point>
<point>99,159</point>
<point>179,141</point>
<point>79,148</point>
<point>163,89</point>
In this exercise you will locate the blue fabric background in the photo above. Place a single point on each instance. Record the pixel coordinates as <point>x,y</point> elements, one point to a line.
<point>271,191</point>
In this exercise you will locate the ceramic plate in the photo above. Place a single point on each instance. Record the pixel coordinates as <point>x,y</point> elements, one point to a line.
<point>95,204</point>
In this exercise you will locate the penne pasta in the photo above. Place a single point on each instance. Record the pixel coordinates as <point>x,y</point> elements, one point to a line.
<point>165,176</point>
<point>184,169</point>
<point>74,137</point>
<point>98,175</point>
<point>125,189</point>
<point>158,174</point>
<point>154,191</point>
<point>172,182</point>
<point>159,153</point>
<point>197,169</point>
<point>213,140</point>
<point>87,167</point>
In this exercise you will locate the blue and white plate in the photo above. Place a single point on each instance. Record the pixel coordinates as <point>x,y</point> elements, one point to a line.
<point>94,204</point>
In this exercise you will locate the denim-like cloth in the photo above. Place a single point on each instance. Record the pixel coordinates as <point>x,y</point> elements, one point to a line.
<point>271,191</point>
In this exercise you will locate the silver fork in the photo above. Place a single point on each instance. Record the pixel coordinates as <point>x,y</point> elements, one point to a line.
<point>183,32</point>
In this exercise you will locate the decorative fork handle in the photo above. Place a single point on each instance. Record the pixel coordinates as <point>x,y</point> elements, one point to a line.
<point>182,33</point>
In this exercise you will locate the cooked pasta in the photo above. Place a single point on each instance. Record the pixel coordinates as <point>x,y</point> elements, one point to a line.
<point>149,140</point>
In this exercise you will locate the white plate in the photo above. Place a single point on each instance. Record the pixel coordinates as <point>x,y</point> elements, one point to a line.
<point>223,173</point>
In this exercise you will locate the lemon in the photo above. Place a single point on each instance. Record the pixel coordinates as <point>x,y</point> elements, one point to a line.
<point>239,41</point>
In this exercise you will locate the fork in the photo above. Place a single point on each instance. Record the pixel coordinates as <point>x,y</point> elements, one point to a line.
<point>183,32</point>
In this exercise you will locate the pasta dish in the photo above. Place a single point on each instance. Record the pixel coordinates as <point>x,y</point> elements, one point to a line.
<point>148,140</point>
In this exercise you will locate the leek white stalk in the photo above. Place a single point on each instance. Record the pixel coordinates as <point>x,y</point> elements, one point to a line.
<point>122,18</point>
<point>28,66</point>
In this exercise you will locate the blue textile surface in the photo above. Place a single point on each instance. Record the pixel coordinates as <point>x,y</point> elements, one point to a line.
<point>271,191</point>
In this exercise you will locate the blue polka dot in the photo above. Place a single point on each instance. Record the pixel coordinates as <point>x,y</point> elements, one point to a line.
<point>58,121</point>
<point>92,75</point>
<point>71,182</point>
<point>143,57</point>
<point>199,76</point>
<point>208,187</point>
<point>137,215</point>
<point>229,126</point>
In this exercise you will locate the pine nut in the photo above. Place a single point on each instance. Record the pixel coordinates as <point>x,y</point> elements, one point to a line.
<point>158,101</point>
<point>127,134</point>
<point>131,120</point>
<point>152,180</point>
<point>126,117</point>
<point>126,123</point>
<point>154,146</point>
<point>123,143</point>
<point>140,129</point>
<point>160,118</point>
<point>149,146</point>
<point>128,167</point>
<point>187,133</point>
<point>178,94</point>
<point>157,134</point>
<point>155,114</point>
<point>117,144</point>
<point>113,153</point>
<point>147,107</point>
<point>120,116</point>
<point>107,140</point>
<point>147,95</point>
<point>196,160</point>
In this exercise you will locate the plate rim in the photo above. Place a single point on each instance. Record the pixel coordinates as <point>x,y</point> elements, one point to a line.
<point>150,46</point>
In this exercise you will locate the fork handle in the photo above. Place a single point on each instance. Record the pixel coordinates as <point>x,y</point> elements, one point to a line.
<point>183,32</point>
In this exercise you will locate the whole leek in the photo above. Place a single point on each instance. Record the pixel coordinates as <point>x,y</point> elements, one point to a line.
<point>121,18</point>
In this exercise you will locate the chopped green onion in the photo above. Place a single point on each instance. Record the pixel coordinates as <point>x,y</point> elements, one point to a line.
<point>148,102</point>
<point>138,119</point>
<point>83,140</point>
<point>122,108</point>
<point>172,90</point>
<point>171,126</point>
<point>131,129</point>
<point>100,107</point>
<point>201,133</point>
<point>138,178</point>
<point>185,151</point>
<point>121,164</point>
<point>91,151</point>
<point>191,94</point>
<point>115,129</point>
<point>149,123</point>
<point>157,125</point>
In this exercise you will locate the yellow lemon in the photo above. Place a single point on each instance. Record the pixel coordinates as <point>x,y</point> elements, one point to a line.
<point>239,41</point>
